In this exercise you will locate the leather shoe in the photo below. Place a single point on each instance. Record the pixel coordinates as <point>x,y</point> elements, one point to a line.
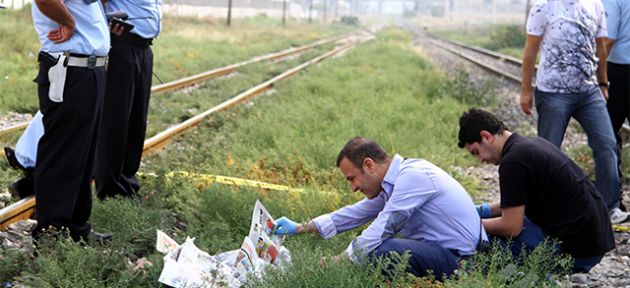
<point>13,162</point>
<point>22,188</point>
<point>99,238</point>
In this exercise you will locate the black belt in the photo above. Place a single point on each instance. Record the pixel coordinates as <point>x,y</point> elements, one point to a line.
<point>133,39</point>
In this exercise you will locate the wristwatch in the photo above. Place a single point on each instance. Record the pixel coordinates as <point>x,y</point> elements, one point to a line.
<point>604,84</point>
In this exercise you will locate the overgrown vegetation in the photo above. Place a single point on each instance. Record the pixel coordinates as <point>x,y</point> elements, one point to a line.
<point>291,136</point>
<point>505,38</point>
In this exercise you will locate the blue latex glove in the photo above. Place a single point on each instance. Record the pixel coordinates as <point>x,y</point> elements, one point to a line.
<point>285,226</point>
<point>484,210</point>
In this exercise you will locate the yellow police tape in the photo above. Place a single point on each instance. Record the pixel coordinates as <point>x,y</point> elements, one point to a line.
<point>226,180</point>
<point>619,228</point>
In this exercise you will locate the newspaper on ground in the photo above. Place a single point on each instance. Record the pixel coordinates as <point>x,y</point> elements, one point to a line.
<point>188,266</point>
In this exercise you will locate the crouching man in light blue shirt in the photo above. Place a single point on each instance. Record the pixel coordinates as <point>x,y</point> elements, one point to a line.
<point>416,208</point>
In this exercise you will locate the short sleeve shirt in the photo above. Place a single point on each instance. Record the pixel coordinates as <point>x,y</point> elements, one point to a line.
<point>618,21</point>
<point>557,195</point>
<point>568,62</point>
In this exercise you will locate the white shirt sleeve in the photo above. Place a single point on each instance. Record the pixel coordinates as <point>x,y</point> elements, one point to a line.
<point>537,19</point>
<point>349,217</point>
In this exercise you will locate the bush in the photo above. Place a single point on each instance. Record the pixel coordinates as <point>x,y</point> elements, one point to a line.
<point>506,36</point>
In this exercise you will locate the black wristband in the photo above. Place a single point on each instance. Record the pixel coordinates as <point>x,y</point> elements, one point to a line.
<point>604,84</point>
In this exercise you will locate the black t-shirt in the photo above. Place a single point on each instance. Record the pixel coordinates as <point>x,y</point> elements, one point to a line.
<point>557,195</point>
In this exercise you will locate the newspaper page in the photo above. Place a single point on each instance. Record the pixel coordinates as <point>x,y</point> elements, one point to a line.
<point>164,244</point>
<point>261,233</point>
<point>188,266</point>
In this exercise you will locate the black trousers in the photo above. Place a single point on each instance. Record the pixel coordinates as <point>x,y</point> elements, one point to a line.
<point>618,101</point>
<point>66,150</point>
<point>124,119</point>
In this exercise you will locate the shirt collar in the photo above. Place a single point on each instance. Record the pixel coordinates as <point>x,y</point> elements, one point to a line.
<point>392,174</point>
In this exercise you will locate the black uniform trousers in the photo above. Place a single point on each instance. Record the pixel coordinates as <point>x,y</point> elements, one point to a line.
<point>618,101</point>
<point>66,150</point>
<point>124,117</point>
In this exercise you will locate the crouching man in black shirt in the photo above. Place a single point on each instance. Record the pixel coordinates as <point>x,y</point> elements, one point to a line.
<point>543,192</point>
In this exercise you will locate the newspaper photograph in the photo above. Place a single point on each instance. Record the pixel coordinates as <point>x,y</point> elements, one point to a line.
<point>261,233</point>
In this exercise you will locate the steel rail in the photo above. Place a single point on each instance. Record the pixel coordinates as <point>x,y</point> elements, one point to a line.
<point>25,208</point>
<point>494,54</point>
<point>214,73</point>
<point>494,70</point>
<point>515,79</point>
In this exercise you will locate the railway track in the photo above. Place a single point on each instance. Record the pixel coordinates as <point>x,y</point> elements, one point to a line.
<point>211,74</point>
<point>505,66</point>
<point>25,208</point>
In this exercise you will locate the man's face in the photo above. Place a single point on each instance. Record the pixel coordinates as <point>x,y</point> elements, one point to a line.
<point>484,152</point>
<point>365,179</point>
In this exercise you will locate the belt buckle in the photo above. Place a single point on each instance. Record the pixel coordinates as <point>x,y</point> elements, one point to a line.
<point>91,63</point>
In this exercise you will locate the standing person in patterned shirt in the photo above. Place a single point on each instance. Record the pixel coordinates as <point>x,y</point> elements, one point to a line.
<point>572,82</point>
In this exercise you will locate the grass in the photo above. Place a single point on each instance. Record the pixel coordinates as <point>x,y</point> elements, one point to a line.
<point>185,47</point>
<point>382,89</point>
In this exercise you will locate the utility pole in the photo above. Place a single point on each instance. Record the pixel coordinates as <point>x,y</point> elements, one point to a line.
<point>310,11</point>
<point>229,16</point>
<point>528,6</point>
<point>284,13</point>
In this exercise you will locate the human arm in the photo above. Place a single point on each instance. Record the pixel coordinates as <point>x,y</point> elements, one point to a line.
<point>328,225</point>
<point>57,11</point>
<point>602,74</point>
<point>489,210</point>
<point>509,224</point>
<point>532,45</point>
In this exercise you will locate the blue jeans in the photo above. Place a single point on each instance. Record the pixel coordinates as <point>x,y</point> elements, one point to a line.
<point>589,109</point>
<point>424,256</point>
<point>531,236</point>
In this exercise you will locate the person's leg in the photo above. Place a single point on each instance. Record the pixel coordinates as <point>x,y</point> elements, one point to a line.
<point>138,119</point>
<point>584,264</point>
<point>115,116</point>
<point>593,116</point>
<point>26,147</point>
<point>531,236</point>
<point>425,256</point>
<point>618,106</point>
<point>64,151</point>
<point>554,112</point>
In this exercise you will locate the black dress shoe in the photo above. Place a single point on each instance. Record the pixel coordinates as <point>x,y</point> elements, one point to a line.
<point>99,238</point>
<point>22,188</point>
<point>13,162</point>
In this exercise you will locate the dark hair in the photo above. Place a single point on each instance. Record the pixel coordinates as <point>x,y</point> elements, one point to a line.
<point>359,148</point>
<point>473,122</point>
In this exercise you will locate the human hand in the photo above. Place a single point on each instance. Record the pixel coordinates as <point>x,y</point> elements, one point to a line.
<point>116,29</point>
<point>484,210</point>
<point>605,93</point>
<point>527,102</point>
<point>62,34</point>
<point>285,226</point>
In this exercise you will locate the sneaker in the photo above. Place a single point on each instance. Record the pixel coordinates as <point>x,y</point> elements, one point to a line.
<point>617,216</point>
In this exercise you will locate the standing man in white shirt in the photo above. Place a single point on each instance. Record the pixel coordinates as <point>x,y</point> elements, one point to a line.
<point>572,82</point>
<point>431,213</point>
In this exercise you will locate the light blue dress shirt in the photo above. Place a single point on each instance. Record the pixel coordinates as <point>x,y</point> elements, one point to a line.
<point>91,36</point>
<point>419,201</point>
<point>145,15</point>
<point>618,20</point>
